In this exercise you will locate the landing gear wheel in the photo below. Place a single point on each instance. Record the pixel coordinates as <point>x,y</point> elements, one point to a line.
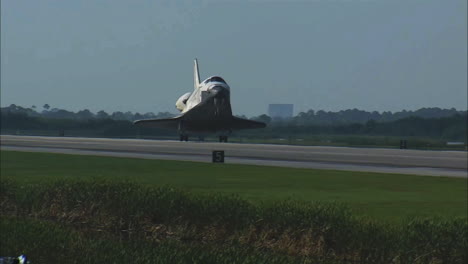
<point>223,138</point>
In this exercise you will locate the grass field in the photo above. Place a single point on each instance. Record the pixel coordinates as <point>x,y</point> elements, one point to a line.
<point>383,196</point>
<point>84,209</point>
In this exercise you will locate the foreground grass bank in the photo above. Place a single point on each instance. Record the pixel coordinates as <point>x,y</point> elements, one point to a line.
<point>391,197</point>
<point>122,222</point>
<point>45,242</point>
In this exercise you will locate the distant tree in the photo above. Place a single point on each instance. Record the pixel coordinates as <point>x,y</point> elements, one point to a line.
<point>374,115</point>
<point>138,116</point>
<point>129,116</point>
<point>46,106</point>
<point>262,118</point>
<point>149,115</point>
<point>370,126</point>
<point>60,113</point>
<point>164,115</point>
<point>12,107</point>
<point>102,115</point>
<point>118,116</point>
<point>84,114</point>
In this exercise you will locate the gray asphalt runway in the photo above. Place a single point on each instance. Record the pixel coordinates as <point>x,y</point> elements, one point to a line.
<point>431,163</point>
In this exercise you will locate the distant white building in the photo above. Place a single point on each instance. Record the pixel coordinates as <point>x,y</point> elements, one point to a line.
<point>282,111</point>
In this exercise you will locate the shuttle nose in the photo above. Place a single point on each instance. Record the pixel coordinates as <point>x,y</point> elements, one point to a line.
<point>220,97</point>
<point>219,91</point>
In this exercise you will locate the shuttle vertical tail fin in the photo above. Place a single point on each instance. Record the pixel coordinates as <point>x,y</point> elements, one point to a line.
<point>196,75</point>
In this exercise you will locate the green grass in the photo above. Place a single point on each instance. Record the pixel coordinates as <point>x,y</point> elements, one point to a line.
<point>387,197</point>
<point>121,222</point>
<point>44,242</point>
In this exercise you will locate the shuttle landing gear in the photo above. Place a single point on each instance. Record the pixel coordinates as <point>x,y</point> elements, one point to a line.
<point>182,135</point>
<point>223,139</point>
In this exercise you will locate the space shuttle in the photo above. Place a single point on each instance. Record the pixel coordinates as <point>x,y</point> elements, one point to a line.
<point>205,110</point>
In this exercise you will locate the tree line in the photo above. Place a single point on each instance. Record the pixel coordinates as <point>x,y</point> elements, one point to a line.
<point>349,116</point>
<point>448,124</point>
<point>303,118</point>
<point>57,113</point>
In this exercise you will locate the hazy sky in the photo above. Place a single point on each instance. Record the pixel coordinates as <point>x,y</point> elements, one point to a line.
<point>121,55</point>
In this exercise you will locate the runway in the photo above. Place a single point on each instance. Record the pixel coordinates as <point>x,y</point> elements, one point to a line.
<point>417,162</point>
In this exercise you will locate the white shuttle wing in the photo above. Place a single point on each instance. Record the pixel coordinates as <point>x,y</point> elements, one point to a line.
<point>171,123</point>
<point>240,123</point>
<point>233,123</point>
